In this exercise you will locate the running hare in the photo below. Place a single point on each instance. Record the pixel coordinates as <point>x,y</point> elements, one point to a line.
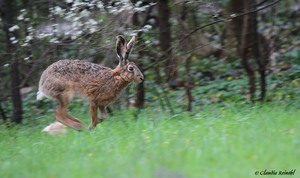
<point>101,85</point>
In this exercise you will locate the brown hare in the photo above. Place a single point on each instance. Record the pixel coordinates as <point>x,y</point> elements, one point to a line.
<point>101,85</point>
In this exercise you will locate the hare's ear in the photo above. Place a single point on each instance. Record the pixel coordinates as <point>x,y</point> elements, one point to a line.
<point>121,49</point>
<point>129,47</point>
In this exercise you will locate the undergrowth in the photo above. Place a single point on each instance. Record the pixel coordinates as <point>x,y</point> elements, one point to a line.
<point>228,141</point>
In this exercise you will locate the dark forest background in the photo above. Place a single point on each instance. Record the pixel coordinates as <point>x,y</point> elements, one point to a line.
<point>193,53</point>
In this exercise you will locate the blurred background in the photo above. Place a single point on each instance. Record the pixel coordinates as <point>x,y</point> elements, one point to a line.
<point>192,53</point>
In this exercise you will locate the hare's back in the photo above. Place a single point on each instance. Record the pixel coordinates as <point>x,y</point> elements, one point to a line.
<point>68,76</point>
<point>71,75</point>
<point>75,69</point>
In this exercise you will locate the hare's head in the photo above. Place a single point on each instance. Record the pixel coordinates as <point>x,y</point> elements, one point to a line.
<point>127,70</point>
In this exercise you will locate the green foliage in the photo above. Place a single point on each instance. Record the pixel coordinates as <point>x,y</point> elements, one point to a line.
<point>230,85</point>
<point>284,85</point>
<point>223,136</point>
<point>218,82</point>
<point>231,141</point>
<point>215,80</point>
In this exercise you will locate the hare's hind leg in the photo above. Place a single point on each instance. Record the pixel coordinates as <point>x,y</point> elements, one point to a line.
<point>63,117</point>
<point>103,113</point>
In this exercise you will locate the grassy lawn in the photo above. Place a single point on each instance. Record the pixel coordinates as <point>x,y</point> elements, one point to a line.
<point>227,142</point>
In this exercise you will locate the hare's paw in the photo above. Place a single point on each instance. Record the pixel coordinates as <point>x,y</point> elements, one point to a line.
<point>93,125</point>
<point>77,125</point>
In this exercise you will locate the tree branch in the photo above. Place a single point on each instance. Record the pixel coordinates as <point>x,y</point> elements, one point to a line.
<point>228,18</point>
<point>207,25</point>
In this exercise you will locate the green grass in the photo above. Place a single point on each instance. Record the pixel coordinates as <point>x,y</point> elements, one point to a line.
<point>228,142</point>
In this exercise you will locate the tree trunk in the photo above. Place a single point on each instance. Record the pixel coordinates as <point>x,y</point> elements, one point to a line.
<point>140,94</point>
<point>257,43</point>
<point>2,113</point>
<point>166,41</point>
<point>16,96</point>
<point>250,43</point>
<point>8,15</point>
<point>264,54</point>
<point>246,42</point>
<point>233,28</point>
<point>250,72</point>
<point>188,87</point>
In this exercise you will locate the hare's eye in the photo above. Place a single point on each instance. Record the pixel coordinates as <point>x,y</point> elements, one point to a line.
<point>130,68</point>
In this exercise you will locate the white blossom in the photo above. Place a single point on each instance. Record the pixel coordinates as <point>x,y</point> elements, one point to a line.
<point>77,24</point>
<point>75,19</point>
<point>139,3</point>
<point>13,28</point>
<point>22,14</point>
<point>54,40</point>
<point>92,22</point>
<point>100,5</point>
<point>140,9</point>
<point>44,35</point>
<point>30,29</point>
<point>147,26</point>
<point>20,17</point>
<point>14,41</point>
<point>57,11</point>
<point>78,33</point>
<point>69,15</point>
<point>73,37</point>
<point>92,29</point>
<point>12,38</point>
<point>84,13</point>
<point>28,38</point>
<point>233,15</point>
<point>25,44</point>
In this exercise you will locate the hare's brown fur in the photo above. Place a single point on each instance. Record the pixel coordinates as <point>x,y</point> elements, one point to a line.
<point>101,85</point>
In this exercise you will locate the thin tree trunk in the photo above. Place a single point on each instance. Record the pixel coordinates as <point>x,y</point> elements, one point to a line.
<point>166,41</point>
<point>250,43</point>
<point>188,87</point>
<point>140,94</point>
<point>246,42</point>
<point>233,31</point>
<point>2,113</point>
<point>257,43</point>
<point>251,74</point>
<point>257,54</point>
<point>16,96</point>
<point>7,13</point>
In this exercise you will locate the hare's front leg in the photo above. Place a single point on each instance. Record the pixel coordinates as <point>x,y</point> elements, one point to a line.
<point>103,113</point>
<point>93,111</point>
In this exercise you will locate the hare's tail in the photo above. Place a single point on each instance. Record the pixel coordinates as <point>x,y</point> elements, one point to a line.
<point>40,95</point>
